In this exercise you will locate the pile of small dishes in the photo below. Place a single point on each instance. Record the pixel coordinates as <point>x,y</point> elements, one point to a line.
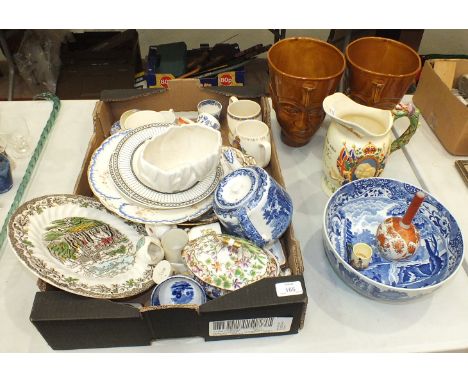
<point>156,173</point>
<point>168,173</point>
<point>353,214</point>
<point>165,172</point>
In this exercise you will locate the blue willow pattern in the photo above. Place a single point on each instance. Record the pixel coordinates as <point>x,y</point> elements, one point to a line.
<point>352,216</point>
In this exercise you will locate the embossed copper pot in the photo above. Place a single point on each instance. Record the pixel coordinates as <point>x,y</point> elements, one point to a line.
<point>303,71</point>
<point>380,71</point>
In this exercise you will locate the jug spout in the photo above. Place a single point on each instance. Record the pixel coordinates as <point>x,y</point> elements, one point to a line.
<point>362,120</point>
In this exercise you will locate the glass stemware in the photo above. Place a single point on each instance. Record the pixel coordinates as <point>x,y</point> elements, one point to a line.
<point>14,131</point>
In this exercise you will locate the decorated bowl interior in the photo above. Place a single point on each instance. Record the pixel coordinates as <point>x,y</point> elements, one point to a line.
<point>354,212</point>
<point>178,290</point>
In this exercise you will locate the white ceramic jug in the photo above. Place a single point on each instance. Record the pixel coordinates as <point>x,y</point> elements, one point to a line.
<point>359,139</point>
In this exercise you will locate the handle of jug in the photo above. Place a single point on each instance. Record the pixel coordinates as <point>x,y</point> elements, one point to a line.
<point>410,111</point>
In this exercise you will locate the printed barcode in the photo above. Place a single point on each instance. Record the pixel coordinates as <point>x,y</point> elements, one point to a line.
<point>250,326</point>
<point>252,323</point>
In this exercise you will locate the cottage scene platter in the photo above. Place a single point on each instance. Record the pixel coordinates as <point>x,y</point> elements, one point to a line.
<point>352,216</point>
<point>124,174</point>
<point>75,244</point>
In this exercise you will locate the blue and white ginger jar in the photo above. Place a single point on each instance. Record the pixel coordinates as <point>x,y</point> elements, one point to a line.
<point>249,203</point>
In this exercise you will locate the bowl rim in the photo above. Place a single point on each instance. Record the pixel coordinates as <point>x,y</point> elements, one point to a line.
<point>369,280</point>
<point>313,41</point>
<point>352,61</point>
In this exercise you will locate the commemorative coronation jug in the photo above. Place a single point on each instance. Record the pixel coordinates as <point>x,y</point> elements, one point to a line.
<point>359,139</point>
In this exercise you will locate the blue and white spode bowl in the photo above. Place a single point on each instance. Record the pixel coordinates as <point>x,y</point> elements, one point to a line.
<point>178,290</point>
<point>352,215</point>
<point>249,203</point>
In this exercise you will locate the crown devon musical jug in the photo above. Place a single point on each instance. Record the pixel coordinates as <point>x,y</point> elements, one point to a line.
<point>359,139</point>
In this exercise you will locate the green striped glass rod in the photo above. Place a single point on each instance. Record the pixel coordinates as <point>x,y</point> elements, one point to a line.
<point>32,162</point>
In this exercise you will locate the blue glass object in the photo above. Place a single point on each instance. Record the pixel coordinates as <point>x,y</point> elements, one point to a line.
<point>6,180</point>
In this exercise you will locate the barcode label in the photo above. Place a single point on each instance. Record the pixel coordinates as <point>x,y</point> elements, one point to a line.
<point>250,326</point>
<point>289,288</point>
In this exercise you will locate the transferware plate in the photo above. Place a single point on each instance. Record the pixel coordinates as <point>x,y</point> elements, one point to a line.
<point>75,244</point>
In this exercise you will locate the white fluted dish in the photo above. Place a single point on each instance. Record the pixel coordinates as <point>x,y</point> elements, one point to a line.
<point>123,165</point>
<point>103,188</point>
<point>178,158</point>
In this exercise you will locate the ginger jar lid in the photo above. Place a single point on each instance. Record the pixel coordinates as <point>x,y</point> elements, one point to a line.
<point>243,187</point>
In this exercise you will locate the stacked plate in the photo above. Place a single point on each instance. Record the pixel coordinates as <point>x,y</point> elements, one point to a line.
<point>114,181</point>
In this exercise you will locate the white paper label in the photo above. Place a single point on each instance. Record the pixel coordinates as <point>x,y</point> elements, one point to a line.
<point>250,326</point>
<point>289,288</point>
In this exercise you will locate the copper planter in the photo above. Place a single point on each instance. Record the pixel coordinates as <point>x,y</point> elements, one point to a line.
<point>303,71</point>
<point>380,71</point>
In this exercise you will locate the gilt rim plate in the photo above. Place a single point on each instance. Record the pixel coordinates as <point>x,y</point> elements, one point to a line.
<point>72,242</point>
<point>121,168</point>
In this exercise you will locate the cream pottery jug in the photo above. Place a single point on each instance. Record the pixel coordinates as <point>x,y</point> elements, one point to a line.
<point>359,139</point>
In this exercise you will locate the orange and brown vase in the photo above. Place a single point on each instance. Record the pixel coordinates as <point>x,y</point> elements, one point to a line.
<point>397,237</point>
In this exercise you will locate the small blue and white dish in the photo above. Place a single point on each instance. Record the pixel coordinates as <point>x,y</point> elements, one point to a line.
<point>178,290</point>
<point>249,203</point>
<point>208,120</point>
<point>210,106</point>
<point>352,215</point>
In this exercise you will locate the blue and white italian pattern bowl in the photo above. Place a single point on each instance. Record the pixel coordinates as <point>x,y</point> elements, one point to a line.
<point>249,203</point>
<point>352,215</point>
<point>178,290</point>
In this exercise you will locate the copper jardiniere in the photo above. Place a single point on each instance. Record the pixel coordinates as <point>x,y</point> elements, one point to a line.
<point>380,71</point>
<point>303,71</point>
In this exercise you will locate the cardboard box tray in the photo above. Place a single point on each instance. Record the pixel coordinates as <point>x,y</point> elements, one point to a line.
<point>69,321</point>
<point>443,112</point>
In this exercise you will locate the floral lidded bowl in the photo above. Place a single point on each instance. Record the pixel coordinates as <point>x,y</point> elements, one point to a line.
<point>224,263</point>
<point>352,216</point>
